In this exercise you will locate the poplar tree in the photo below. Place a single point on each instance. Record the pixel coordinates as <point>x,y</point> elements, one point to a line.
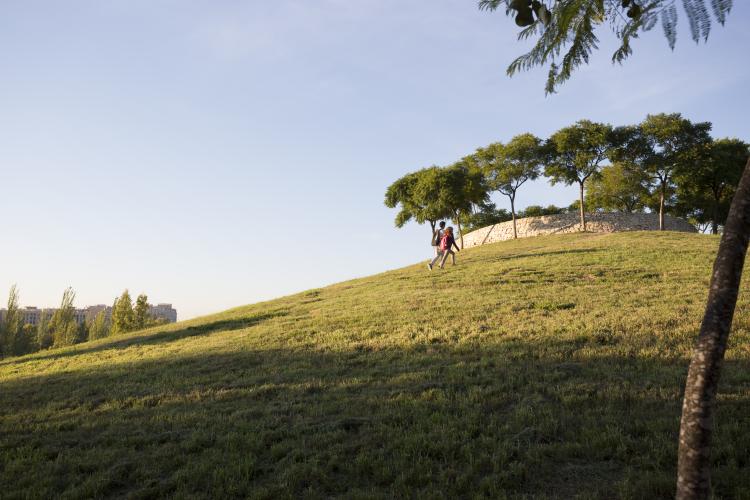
<point>123,318</point>
<point>142,315</point>
<point>11,325</point>
<point>63,325</point>
<point>43,333</point>
<point>99,326</point>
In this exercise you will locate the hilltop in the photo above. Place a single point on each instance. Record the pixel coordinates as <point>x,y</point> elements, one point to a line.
<point>548,367</point>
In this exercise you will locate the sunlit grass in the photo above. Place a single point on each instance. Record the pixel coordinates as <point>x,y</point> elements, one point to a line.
<point>545,367</point>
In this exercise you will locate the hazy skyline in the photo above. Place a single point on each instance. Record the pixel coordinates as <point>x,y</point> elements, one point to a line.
<point>216,154</point>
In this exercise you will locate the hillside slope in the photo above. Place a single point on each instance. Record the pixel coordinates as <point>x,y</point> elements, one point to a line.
<point>549,367</point>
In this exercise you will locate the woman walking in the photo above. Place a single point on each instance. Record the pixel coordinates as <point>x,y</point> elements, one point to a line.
<point>437,235</point>
<point>446,245</point>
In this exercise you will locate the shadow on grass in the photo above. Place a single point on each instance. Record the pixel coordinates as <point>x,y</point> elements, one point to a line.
<point>439,420</point>
<point>572,251</point>
<point>129,340</point>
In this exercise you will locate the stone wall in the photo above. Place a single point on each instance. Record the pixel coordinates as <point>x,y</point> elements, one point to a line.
<point>570,223</point>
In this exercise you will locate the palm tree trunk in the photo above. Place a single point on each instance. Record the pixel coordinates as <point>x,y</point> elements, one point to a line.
<point>513,214</point>
<point>696,426</point>
<point>583,215</point>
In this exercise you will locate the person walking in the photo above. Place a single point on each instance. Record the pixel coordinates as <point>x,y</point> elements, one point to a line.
<point>437,236</point>
<point>446,245</point>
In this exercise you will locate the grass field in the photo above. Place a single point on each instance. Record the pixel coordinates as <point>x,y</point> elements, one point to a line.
<point>548,367</point>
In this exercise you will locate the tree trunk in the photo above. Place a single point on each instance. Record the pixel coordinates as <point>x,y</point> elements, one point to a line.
<point>696,426</point>
<point>661,207</point>
<point>460,231</point>
<point>583,215</point>
<point>715,218</point>
<point>513,214</point>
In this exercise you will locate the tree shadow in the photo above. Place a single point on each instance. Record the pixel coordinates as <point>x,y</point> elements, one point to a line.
<point>147,338</point>
<point>572,251</point>
<point>432,420</point>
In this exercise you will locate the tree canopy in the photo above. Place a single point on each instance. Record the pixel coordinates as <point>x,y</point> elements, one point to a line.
<point>508,166</point>
<point>705,191</point>
<point>658,148</point>
<point>435,193</point>
<point>565,31</point>
<point>617,188</point>
<point>576,153</point>
<point>418,198</point>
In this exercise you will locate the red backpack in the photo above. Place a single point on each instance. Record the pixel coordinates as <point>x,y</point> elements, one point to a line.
<point>445,242</point>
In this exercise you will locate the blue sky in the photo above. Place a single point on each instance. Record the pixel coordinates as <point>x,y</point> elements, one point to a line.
<point>213,154</point>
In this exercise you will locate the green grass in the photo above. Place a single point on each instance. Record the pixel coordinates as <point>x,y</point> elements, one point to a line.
<point>548,367</point>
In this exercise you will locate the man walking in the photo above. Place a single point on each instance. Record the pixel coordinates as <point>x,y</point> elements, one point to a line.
<point>437,235</point>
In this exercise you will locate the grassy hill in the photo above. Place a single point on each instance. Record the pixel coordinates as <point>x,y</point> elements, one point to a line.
<point>548,367</point>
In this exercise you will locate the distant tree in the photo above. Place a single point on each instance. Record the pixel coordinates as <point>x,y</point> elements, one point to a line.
<point>26,340</point>
<point>658,148</point>
<point>508,166</point>
<point>539,211</point>
<point>418,198</point>
<point>486,214</point>
<point>65,330</point>
<point>565,31</point>
<point>11,325</point>
<point>705,188</point>
<point>83,331</point>
<point>617,189</point>
<point>123,319</point>
<point>142,315</point>
<point>575,154</point>
<point>43,331</point>
<point>99,326</point>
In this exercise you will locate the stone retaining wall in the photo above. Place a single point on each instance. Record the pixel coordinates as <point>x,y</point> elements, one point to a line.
<point>570,223</point>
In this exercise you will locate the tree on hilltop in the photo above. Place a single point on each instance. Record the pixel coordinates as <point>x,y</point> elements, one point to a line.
<point>575,154</point>
<point>417,199</point>
<point>617,189</point>
<point>705,189</point>
<point>461,187</point>
<point>436,193</point>
<point>508,166</point>
<point>565,30</point>
<point>658,148</point>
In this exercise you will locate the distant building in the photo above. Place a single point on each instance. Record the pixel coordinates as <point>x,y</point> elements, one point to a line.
<point>33,315</point>
<point>164,311</point>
